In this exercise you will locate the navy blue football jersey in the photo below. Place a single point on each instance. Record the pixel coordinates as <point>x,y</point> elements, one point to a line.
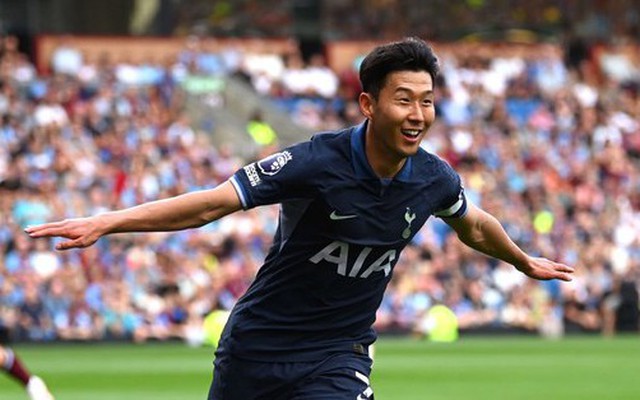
<point>340,234</point>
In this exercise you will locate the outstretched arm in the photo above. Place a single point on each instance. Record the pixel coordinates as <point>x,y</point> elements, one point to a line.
<point>483,232</point>
<point>189,210</point>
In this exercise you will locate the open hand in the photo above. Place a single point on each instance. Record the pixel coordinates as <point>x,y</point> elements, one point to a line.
<point>82,232</point>
<point>543,269</point>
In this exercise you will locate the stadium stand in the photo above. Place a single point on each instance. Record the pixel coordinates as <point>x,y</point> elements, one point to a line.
<point>546,137</point>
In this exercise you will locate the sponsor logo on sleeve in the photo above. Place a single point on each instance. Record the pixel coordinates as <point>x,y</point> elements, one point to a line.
<point>252,174</point>
<point>274,163</point>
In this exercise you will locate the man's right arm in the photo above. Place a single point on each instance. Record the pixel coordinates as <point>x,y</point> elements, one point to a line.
<point>190,210</point>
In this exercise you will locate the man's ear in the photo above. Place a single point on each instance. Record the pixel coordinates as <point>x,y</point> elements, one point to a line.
<point>366,102</point>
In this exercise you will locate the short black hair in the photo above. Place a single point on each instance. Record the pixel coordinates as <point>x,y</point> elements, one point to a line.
<point>409,54</point>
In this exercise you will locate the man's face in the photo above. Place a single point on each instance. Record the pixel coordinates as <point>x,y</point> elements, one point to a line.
<point>402,114</point>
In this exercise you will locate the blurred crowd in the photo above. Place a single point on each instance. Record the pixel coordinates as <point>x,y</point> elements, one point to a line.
<point>387,19</point>
<point>548,144</point>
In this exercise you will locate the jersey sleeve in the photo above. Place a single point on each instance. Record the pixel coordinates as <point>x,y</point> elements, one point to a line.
<point>282,176</point>
<point>454,204</point>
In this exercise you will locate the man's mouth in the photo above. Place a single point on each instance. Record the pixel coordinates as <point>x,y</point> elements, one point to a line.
<point>411,133</point>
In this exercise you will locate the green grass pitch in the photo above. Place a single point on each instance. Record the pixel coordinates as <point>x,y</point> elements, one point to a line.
<point>475,368</point>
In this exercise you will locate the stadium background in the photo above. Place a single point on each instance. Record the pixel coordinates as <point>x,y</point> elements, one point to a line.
<point>127,101</point>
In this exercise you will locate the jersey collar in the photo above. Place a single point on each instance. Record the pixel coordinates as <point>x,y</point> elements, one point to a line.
<point>359,157</point>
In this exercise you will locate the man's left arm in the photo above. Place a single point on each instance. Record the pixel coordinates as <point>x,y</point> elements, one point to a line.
<point>483,232</point>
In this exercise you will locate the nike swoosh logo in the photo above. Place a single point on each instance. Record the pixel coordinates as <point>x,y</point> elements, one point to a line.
<point>337,217</point>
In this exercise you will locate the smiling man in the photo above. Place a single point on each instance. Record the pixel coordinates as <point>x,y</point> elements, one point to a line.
<point>350,200</point>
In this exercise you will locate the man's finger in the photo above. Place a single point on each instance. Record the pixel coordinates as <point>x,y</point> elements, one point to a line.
<point>565,268</point>
<point>565,277</point>
<point>70,244</point>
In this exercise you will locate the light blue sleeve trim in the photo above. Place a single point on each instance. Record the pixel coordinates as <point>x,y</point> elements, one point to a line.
<point>458,209</point>
<point>240,191</point>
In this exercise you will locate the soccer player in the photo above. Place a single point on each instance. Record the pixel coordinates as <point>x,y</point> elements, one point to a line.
<point>13,366</point>
<point>350,201</point>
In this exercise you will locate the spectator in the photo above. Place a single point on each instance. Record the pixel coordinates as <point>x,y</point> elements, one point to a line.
<point>261,132</point>
<point>66,59</point>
